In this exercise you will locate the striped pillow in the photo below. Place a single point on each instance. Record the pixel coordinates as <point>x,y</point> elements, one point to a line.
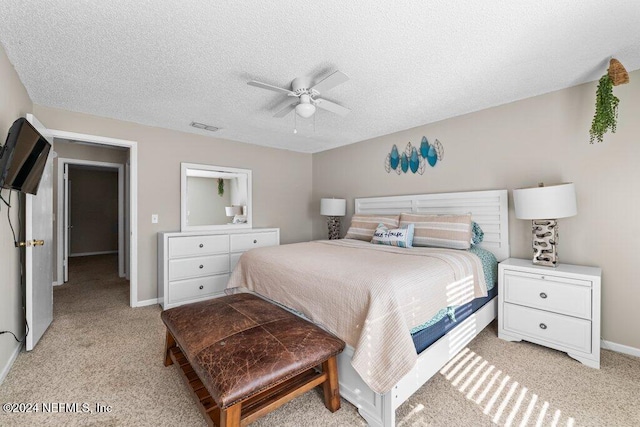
<point>441,231</point>
<point>363,226</point>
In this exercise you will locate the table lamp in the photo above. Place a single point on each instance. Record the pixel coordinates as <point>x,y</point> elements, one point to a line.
<point>333,209</point>
<point>543,206</point>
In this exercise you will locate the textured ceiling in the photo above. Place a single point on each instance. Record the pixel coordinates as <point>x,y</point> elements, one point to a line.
<point>166,63</point>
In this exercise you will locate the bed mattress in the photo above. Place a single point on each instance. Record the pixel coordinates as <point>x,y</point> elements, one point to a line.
<point>423,338</point>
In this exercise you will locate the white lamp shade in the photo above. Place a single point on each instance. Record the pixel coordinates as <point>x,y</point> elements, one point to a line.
<point>552,202</point>
<point>233,210</point>
<point>333,207</point>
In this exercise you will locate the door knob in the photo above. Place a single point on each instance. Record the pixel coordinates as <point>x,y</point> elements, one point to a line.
<point>30,243</point>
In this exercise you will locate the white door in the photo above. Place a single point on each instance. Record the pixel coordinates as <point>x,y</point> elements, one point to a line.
<point>66,187</point>
<point>39,258</point>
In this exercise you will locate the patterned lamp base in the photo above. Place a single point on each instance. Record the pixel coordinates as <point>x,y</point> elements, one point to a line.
<point>334,227</point>
<point>545,241</point>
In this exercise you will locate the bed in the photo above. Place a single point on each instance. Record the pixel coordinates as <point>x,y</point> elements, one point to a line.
<point>324,281</point>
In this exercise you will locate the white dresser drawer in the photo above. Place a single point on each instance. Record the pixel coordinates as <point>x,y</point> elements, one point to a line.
<point>552,329</point>
<point>233,261</point>
<point>196,267</point>
<point>243,242</point>
<point>560,295</point>
<point>194,289</point>
<point>197,245</point>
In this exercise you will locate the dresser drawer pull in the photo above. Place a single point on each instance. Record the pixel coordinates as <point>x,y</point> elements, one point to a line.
<point>201,266</point>
<point>543,295</point>
<point>201,245</point>
<point>201,287</point>
<point>543,326</point>
<point>255,241</point>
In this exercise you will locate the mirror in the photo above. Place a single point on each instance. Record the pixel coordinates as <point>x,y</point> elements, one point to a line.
<point>214,197</point>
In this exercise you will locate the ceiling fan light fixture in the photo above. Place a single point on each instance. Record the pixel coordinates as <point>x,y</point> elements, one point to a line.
<point>305,110</point>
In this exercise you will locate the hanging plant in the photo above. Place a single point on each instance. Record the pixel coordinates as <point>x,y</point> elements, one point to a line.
<point>606,115</point>
<point>220,187</point>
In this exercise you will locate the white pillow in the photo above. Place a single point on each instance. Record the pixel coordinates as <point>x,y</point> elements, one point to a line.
<point>401,237</point>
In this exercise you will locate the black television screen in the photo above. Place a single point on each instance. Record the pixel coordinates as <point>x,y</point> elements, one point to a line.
<point>23,157</point>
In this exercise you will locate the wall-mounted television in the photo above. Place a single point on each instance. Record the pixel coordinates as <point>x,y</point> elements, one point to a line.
<point>23,158</point>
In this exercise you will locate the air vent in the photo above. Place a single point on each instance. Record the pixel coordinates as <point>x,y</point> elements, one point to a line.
<point>203,126</point>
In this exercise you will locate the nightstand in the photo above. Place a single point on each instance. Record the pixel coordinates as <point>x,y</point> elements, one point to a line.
<point>554,307</point>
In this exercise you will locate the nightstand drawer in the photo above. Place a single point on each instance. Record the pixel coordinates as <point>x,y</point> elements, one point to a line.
<point>196,267</point>
<point>195,289</point>
<point>560,295</point>
<point>244,242</point>
<point>554,330</point>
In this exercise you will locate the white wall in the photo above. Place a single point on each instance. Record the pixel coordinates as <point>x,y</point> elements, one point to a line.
<point>541,139</point>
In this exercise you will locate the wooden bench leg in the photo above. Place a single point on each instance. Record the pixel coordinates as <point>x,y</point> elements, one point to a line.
<point>331,388</point>
<point>230,417</point>
<point>170,342</point>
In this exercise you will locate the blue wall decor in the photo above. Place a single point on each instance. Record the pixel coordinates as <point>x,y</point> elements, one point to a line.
<point>414,159</point>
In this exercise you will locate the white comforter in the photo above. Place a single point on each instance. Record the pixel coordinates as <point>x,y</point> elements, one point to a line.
<point>368,295</point>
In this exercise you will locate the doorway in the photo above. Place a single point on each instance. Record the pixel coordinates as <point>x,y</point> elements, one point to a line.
<point>128,228</point>
<point>92,213</point>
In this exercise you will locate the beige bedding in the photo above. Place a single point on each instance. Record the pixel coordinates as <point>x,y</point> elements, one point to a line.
<point>368,295</point>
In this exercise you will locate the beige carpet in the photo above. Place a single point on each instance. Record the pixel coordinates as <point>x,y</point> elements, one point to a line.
<point>98,350</point>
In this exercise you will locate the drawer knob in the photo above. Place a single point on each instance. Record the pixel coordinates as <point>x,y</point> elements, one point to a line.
<point>543,295</point>
<point>542,277</point>
<point>201,287</point>
<point>543,326</point>
<point>201,245</point>
<point>201,266</point>
<point>255,241</point>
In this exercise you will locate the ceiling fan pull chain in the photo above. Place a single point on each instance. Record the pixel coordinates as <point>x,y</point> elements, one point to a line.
<point>295,123</point>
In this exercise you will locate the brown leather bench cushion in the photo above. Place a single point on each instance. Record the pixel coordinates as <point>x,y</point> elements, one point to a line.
<point>239,345</point>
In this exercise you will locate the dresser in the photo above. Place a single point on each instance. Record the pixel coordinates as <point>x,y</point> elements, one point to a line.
<point>554,307</point>
<point>194,266</point>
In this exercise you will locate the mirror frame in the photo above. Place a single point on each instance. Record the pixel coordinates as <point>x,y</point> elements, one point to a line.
<point>184,167</point>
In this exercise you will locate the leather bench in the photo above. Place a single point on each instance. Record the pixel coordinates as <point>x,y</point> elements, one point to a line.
<point>243,357</point>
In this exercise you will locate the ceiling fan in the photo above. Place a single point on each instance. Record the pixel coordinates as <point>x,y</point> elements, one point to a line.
<point>307,96</point>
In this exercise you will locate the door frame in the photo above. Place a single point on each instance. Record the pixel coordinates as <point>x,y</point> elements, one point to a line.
<point>132,196</point>
<point>62,213</point>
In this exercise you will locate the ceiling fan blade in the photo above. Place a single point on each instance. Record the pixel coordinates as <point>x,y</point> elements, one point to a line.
<point>270,87</point>
<point>335,79</point>
<point>286,110</point>
<point>332,106</point>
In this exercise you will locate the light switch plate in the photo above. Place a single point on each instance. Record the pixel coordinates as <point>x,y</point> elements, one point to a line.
<point>154,219</point>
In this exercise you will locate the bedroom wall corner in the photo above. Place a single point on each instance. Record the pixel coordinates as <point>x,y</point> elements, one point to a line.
<point>281,180</point>
<point>539,139</point>
<point>14,102</point>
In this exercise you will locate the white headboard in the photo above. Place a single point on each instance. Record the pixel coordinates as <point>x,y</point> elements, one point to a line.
<point>488,208</point>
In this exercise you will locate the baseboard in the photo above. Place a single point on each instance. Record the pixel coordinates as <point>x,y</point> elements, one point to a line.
<point>147,302</point>
<point>620,348</point>
<point>92,253</point>
<point>7,367</point>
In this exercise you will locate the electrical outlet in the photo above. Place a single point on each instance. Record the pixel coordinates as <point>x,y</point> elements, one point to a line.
<point>154,219</point>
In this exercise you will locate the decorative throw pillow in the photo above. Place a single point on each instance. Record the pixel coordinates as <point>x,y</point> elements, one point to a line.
<point>401,237</point>
<point>477,235</point>
<point>441,231</point>
<point>363,226</point>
